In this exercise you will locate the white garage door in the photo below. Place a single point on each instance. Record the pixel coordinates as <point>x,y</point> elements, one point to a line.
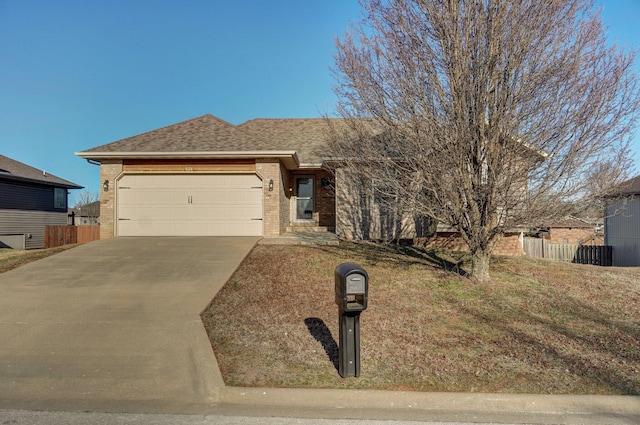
<point>190,205</point>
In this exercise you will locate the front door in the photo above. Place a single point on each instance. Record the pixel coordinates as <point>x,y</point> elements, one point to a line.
<point>304,198</point>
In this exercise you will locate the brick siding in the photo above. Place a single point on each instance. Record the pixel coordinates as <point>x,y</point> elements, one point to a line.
<point>508,245</point>
<point>276,202</point>
<point>109,170</point>
<point>574,236</point>
<point>324,206</point>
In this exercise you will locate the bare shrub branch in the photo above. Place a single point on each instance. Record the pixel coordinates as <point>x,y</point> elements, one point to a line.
<point>484,114</point>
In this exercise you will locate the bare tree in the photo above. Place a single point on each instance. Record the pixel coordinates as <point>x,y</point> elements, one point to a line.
<point>484,114</point>
<point>87,206</point>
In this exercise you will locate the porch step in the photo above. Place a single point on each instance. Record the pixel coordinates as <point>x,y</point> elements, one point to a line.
<point>307,228</point>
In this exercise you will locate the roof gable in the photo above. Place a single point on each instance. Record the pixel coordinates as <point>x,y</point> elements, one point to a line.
<point>301,140</point>
<point>10,169</point>
<point>202,134</point>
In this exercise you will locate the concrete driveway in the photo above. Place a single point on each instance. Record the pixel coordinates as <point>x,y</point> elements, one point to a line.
<point>114,325</point>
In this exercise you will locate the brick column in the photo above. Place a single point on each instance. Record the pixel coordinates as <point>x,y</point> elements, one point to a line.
<point>275,203</point>
<point>109,170</point>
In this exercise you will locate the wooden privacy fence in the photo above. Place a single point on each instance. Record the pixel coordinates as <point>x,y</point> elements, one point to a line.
<point>582,254</point>
<point>533,247</point>
<point>63,235</point>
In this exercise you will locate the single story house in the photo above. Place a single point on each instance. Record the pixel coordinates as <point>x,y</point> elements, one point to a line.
<point>622,223</point>
<point>572,230</point>
<point>85,215</point>
<point>30,200</point>
<point>264,177</point>
<point>207,177</point>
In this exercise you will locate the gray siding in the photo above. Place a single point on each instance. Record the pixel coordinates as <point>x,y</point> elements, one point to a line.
<point>622,230</point>
<point>26,208</point>
<point>30,223</point>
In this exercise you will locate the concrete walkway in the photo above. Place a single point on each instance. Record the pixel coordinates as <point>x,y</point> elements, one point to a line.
<point>114,326</point>
<point>302,238</point>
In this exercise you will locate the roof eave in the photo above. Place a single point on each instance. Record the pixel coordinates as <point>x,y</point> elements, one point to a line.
<point>288,158</point>
<point>69,185</point>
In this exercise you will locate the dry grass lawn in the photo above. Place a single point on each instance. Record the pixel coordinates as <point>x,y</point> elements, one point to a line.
<point>537,327</point>
<point>12,258</point>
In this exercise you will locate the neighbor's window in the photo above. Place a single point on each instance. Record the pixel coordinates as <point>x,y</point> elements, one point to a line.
<point>60,198</point>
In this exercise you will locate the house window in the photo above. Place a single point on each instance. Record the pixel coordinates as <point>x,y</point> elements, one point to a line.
<point>60,198</point>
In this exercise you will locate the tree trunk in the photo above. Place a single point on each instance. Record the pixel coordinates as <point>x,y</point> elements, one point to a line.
<point>480,265</point>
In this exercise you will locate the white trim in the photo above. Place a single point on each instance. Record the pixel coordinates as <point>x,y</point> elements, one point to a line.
<point>310,165</point>
<point>288,158</point>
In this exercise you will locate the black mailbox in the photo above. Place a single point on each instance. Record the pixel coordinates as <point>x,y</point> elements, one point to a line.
<point>352,287</point>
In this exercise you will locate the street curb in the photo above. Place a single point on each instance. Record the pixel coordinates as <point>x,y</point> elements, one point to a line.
<point>375,404</point>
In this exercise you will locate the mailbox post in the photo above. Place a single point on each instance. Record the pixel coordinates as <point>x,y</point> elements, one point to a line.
<point>352,292</point>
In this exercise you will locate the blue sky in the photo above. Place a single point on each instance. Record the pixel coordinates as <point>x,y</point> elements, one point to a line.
<point>78,74</point>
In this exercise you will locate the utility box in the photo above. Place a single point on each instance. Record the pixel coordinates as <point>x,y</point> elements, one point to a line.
<point>351,287</point>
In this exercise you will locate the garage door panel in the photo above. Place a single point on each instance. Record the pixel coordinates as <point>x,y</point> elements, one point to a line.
<point>139,228</point>
<point>126,196</point>
<point>237,198</point>
<point>243,212</point>
<point>190,205</point>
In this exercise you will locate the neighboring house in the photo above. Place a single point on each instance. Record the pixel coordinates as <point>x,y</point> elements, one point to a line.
<point>448,238</point>
<point>571,230</point>
<point>264,177</point>
<point>88,214</point>
<point>30,200</point>
<point>622,223</point>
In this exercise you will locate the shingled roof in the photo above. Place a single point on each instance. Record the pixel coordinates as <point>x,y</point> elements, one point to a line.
<point>629,187</point>
<point>570,222</point>
<point>202,134</point>
<point>307,136</point>
<point>10,169</point>
<point>303,139</point>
